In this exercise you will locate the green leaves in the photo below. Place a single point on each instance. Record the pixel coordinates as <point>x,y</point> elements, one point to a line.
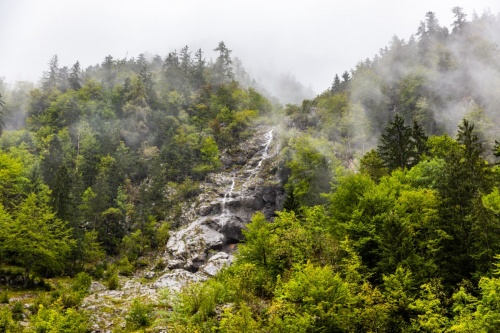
<point>33,238</point>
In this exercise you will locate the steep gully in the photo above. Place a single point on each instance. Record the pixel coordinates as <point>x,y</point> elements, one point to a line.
<point>213,225</point>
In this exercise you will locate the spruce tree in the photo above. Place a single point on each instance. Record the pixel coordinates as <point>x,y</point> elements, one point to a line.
<point>398,144</point>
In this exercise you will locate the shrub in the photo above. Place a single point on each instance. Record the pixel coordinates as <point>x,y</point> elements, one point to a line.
<point>6,322</point>
<point>163,233</point>
<point>17,311</point>
<point>71,299</point>
<point>125,267</point>
<point>140,315</point>
<point>4,297</point>
<point>58,320</point>
<point>82,283</point>
<point>113,282</point>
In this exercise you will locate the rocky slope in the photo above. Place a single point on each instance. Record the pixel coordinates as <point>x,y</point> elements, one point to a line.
<point>210,227</point>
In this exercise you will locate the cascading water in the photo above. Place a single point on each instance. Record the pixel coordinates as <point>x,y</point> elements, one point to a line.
<point>220,216</point>
<point>264,156</point>
<point>228,195</point>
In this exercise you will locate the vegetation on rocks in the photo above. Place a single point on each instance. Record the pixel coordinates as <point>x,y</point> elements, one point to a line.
<point>128,179</point>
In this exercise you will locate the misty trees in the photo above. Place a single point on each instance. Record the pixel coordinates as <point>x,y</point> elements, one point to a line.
<point>74,77</point>
<point>310,170</point>
<point>460,21</point>
<point>223,72</point>
<point>2,104</point>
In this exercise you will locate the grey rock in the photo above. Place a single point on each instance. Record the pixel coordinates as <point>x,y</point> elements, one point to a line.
<point>96,287</point>
<point>150,274</point>
<point>176,279</point>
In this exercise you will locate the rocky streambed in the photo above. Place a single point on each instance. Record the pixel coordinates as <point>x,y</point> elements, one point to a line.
<point>229,199</point>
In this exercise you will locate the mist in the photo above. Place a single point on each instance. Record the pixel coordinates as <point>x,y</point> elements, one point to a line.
<point>455,76</point>
<point>277,41</point>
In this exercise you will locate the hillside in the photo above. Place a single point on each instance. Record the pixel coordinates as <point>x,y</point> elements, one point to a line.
<point>168,194</point>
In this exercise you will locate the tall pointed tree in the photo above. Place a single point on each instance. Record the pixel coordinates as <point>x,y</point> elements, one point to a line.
<point>398,146</point>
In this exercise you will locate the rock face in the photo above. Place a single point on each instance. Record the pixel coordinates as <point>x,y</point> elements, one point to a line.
<point>207,238</point>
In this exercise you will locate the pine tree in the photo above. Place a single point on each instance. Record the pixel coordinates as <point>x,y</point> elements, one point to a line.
<point>397,146</point>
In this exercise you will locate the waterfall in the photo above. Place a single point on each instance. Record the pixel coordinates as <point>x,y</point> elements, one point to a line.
<point>265,155</point>
<point>227,195</point>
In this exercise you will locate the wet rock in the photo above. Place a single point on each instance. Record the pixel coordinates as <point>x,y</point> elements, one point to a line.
<point>212,208</point>
<point>231,227</point>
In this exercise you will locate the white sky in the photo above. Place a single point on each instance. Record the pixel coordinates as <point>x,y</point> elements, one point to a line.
<point>311,40</point>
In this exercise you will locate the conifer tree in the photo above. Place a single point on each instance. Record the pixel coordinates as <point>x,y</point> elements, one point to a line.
<point>398,144</point>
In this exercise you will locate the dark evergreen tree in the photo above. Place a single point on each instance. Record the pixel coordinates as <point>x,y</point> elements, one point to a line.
<point>50,77</point>
<point>496,149</point>
<point>397,146</point>
<point>75,82</point>
<point>466,177</point>
<point>336,86</point>
<point>460,21</point>
<point>222,68</point>
<point>419,138</point>
<point>199,69</point>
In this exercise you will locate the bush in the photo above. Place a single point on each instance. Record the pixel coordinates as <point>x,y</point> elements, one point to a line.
<point>140,315</point>
<point>42,299</point>
<point>82,283</point>
<point>6,322</point>
<point>71,299</point>
<point>17,311</point>
<point>57,320</point>
<point>113,282</point>
<point>163,233</point>
<point>196,302</point>
<point>4,297</point>
<point>125,267</point>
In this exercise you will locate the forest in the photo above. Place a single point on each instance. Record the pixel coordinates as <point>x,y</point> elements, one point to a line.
<point>390,220</point>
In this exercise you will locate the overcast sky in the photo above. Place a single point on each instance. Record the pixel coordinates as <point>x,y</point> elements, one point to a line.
<point>311,40</point>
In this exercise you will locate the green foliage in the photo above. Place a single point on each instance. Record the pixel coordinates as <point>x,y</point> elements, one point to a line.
<point>112,280</point>
<point>4,297</point>
<point>17,310</point>
<point>311,171</point>
<point>34,238</point>
<point>140,314</point>
<point>6,321</point>
<point>81,283</point>
<point>372,165</point>
<point>52,320</point>
<point>90,251</point>
<point>238,320</point>
<point>124,267</point>
<point>12,181</point>
<point>133,245</point>
<point>313,296</point>
<point>196,304</point>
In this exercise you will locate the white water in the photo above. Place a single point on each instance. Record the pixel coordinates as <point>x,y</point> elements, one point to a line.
<point>251,171</point>
<point>228,195</point>
<point>265,155</point>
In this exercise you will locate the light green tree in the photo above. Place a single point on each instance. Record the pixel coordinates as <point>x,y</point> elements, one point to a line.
<point>34,238</point>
